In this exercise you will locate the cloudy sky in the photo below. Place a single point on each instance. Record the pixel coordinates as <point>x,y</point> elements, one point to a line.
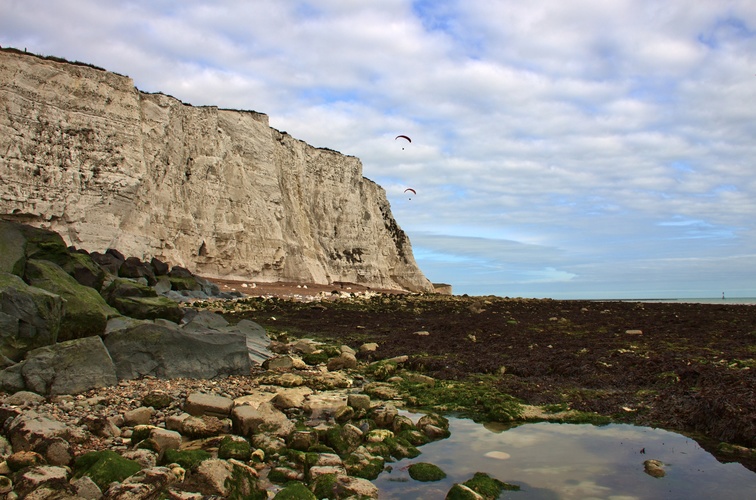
<point>564,149</point>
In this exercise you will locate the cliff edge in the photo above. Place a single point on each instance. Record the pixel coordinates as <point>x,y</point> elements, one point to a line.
<point>220,192</point>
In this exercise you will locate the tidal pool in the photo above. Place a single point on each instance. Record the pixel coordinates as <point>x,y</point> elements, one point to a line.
<point>569,461</point>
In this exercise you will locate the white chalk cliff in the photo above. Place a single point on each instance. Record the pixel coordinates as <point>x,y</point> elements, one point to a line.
<point>220,192</point>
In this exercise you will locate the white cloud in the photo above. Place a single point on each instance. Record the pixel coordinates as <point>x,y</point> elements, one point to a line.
<point>551,141</point>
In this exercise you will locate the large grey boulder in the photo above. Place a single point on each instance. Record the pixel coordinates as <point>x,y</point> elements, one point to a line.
<point>140,301</point>
<point>149,308</point>
<point>164,351</point>
<point>29,317</point>
<point>19,242</point>
<point>80,266</point>
<point>258,341</point>
<point>68,367</point>
<point>86,312</point>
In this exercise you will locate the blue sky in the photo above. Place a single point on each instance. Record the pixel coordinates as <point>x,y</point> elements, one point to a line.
<point>581,149</point>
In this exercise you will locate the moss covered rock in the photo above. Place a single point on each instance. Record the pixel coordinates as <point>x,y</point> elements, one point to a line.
<point>30,317</point>
<point>482,484</point>
<point>234,447</point>
<point>104,467</point>
<point>363,464</point>
<point>426,472</point>
<point>188,459</point>
<point>401,448</point>
<point>295,490</point>
<point>86,312</point>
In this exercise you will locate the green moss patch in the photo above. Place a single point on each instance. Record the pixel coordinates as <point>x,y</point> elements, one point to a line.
<point>188,459</point>
<point>489,487</point>
<point>475,397</point>
<point>295,491</point>
<point>426,472</point>
<point>105,467</point>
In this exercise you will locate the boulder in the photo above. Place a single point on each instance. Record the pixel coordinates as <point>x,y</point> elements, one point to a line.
<point>33,431</point>
<point>19,242</point>
<point>226,479</point>
<point>159,268</point>
<point>346,486</point>
<point>123,287</point>
<point>149,308</point>
<point>66,368</point>
<point>198,404</point>
<point>86,312</point>
<point>258,341</point>
<point>166,352</point>
<point>29,317</point>
<point>107,261</point>
<point>104,467</point>
<point>147,483</point>
<point>134,268</point>
<point>53,480</point>
<point>266,418</point>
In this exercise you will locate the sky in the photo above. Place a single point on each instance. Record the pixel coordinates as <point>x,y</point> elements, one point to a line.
<point>573,150</point>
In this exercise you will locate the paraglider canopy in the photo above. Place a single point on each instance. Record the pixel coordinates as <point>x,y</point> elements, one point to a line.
<point>403,137</point>
<point>411,191</point>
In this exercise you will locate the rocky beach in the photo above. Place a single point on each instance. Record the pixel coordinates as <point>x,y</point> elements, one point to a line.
<point>129,379</point>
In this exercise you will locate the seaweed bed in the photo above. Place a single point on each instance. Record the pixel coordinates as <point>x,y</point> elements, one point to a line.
<point>683,367</point>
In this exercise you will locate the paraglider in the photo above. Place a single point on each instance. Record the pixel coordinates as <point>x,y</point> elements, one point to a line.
<point>410,190</point>
<point>403,137</point>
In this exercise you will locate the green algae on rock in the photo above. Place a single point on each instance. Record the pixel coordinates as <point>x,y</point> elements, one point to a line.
<point>426,472</point>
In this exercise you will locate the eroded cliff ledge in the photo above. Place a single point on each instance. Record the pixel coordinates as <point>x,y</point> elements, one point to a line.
<point>220,192</point>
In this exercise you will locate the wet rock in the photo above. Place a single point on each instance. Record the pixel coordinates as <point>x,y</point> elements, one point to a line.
<point>157,399</point>
<point>204,426</point>
<point>23,459</point>
<point>340,486</point>
<point>208,404</point>
<point>133,267</point>
<point>359,401</point>
<point>56,451</point>
<point>68,367</point>
<point>234,447</point>
<point>105,467</point>
<point>138,416</point>
<point>30,316</point>
<point>86,313</point>
<point>361,463</point>
<point>157,350</point>
<point>384,415</point>
<point>344,361</point>
<point>53,479</point>
<point>265,418</point>
<point>462,492</point>
<point>303,440</point>
<point>426,472</point>
<point>29,430</point>
<point>224,478</point>
<point>86,489</point>
<point>654,468</point>
<point>147,483</point>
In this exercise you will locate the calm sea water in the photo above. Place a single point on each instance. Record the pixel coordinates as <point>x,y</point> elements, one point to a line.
<point>567,461</point>
<point>727,301</point>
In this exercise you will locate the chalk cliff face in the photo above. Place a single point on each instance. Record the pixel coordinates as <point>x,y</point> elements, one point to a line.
<point>220,192</point>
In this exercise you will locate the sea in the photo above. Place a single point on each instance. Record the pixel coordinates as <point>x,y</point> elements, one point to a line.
<point>720,301</point>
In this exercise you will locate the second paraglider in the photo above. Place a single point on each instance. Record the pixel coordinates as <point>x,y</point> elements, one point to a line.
<point>403,137</point>
<point>411,191</point>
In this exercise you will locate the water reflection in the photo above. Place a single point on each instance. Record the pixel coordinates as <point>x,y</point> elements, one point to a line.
<point>566,461</point>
